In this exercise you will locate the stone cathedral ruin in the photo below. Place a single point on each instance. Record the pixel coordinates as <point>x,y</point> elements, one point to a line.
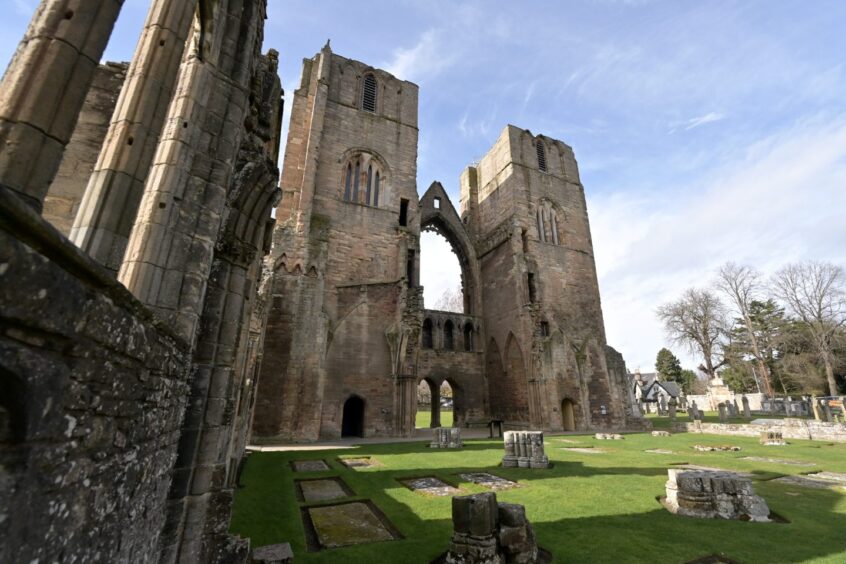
<point>155,314</point>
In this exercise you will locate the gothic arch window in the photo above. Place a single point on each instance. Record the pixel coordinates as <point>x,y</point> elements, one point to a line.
<point>427,334</point>
<point>468,337</point>
<point>368,93</point>
<point>364,180</point>
<point>449,341</point>
<point>541,151</point>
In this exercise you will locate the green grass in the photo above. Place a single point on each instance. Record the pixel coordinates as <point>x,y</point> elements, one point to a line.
<point>587,508</point>
<point>424,418</point>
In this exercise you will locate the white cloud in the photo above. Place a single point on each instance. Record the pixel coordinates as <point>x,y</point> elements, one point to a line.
<point>439,268</point>
<point>702,120</point>
<point>25,7</point>
<point>426,59</point>
<point>779,200</point>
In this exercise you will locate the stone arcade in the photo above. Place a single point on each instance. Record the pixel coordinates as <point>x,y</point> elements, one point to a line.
<point>135,291</point>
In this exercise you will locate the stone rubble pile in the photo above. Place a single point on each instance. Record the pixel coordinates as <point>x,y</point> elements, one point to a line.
<point>609,437</point>
<point>708,494</point>
<point>772,438</point>
<point>487,532</point>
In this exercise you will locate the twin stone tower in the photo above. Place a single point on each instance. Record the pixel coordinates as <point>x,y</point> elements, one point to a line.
<point>348,336</point>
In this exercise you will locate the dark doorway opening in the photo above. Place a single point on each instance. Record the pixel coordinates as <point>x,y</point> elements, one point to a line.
<point>352,424</point>
<point>568,415</point>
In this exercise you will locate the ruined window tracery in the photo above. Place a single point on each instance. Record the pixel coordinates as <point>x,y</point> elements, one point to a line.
<point>368,96</point>
<point>427,334</point>
<point>364,180</point>
<point>449,342</point>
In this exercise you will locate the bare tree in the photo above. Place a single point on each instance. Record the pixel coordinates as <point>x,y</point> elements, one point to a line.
<point>451,300</point>
<point>698,321</point>
<point>814,293</point>
<point>741,284</point>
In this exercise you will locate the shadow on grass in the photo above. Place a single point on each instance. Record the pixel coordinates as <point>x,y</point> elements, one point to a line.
<point>267,511</point>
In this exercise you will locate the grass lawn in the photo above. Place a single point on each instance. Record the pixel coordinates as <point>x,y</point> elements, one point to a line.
<point>424,418</point>
<point>587,508</point>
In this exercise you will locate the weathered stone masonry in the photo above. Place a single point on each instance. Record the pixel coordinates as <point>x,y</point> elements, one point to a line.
<point>124,415</point>
<point>348,337</point>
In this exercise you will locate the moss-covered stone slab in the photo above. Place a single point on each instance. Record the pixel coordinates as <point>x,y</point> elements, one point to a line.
<point>309,466</point>
<point>430,485</point>
<point>357,463</point>
<point>323,490</point>
<point>778,461</point>
<point>347,524</point>
<point>489,481</point>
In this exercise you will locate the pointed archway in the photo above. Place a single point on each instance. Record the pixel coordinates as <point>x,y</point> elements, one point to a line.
<point>568,415</point>
<point>352,421</point>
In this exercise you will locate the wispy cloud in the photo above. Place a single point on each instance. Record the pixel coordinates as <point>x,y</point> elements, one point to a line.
<point>777,201</point>
<point>424,60</point>
<point>25,7</point>
<point>702,120</point>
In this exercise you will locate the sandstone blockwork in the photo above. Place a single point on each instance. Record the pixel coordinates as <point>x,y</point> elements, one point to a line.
<point>128,356</point>
<point>348,336</point>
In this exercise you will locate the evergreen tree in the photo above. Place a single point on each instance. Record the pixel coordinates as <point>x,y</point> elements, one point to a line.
<point>669,366</point>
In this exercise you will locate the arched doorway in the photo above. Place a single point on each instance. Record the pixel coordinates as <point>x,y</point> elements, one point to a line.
<point>428,405</point>
<point>568,415</point>
<point>352,423</point>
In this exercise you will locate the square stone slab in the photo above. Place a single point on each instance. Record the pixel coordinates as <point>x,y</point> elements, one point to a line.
<point>309,465</point>
<point>659,451</point>
<point>833,476</point>
<point>430,485</point>
<point>806,482</point>
<point>585,450</point>
<point>347,524</point>
<point>778,461</point>
<point>362,462</point>
<point>323,490</point>
<point>489,481</point>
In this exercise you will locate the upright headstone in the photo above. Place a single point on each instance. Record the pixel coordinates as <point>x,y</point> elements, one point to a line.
<point>671,405</point>
<point>816,407</point>
<point>694,410</point>
<point>735,408</point>
<point>662,405</point>
<point>746,412</point>
<point>723,415</point>
<point>826,409</point>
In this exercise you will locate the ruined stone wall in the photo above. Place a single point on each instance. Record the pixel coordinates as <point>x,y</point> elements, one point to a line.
<point>539,280</point>
<point>790,428</point>
<point>330,341</point>
<point>94,391</point>
<point>66,191</point>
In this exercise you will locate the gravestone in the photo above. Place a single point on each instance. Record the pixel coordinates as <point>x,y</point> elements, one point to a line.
<point>671,406</point>
<point>662,405</point>
<point>713,495</point>
<point>772,438</point>
<point>815,405</point>
<point>524,449</point>
<point>826,411</point>
<point>446,437</point>
<point>746,412</point>
<point>723,415</point>
<point>731,408</point>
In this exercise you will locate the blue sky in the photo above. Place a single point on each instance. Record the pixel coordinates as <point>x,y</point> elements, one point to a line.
<point>705,131</point>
